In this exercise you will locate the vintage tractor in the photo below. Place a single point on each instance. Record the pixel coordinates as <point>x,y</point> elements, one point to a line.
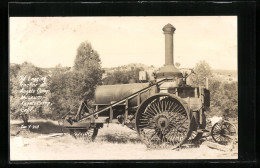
<point>163,111</point>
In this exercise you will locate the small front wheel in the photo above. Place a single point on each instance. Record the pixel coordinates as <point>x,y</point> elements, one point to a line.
<point>223,132</point>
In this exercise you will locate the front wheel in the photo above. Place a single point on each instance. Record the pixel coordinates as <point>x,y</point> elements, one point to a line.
<point>223,132</point>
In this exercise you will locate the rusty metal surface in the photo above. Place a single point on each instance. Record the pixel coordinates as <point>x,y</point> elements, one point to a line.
<point>106,94</point>
<point>147,89</point>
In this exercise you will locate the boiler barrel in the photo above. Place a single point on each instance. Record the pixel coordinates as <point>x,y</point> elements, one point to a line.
<point>107,94</point>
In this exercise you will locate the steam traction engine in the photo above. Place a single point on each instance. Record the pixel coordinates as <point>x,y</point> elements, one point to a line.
<point>163,111</point>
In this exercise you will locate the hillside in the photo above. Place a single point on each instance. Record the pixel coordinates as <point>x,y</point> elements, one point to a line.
<point>227,75</point>
<point>129,66</point>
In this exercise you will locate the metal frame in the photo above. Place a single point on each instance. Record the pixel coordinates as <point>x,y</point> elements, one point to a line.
<point>136,94</point>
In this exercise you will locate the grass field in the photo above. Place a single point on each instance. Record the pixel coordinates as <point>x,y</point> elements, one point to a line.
<point>114,142</point>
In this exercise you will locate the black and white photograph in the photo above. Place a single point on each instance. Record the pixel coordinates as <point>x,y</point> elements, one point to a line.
<point>123,88</point>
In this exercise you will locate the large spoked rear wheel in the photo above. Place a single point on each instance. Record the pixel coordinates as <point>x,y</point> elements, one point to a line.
<point>162,120</point>
<point>84,134</point>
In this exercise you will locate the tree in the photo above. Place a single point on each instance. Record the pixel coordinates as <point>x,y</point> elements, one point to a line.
<point>70,87</point>
<point>224,98</point>
<point>14,91</point>
<point>87,67</point>
<point>57,83</point>
<point>223,95</point>
<point>20,83</point>
<point>13,73</point>
<point>202,71</point>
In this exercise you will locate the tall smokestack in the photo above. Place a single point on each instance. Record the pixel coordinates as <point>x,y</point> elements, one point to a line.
<point>168,32</point>
<point>168,70</point>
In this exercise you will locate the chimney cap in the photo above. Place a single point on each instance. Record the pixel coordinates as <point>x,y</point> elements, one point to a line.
<point>169,28</point>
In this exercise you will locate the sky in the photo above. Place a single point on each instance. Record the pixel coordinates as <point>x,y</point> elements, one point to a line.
<point>49,41</point>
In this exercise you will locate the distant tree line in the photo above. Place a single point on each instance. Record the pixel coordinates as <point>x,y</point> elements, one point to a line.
<point>119,76</point>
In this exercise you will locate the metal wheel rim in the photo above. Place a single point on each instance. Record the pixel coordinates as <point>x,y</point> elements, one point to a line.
<point>168,111</point>
<point>223,132</point>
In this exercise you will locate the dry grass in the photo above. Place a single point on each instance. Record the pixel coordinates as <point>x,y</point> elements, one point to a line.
<point>115,142</point>
<point>114,133</point>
